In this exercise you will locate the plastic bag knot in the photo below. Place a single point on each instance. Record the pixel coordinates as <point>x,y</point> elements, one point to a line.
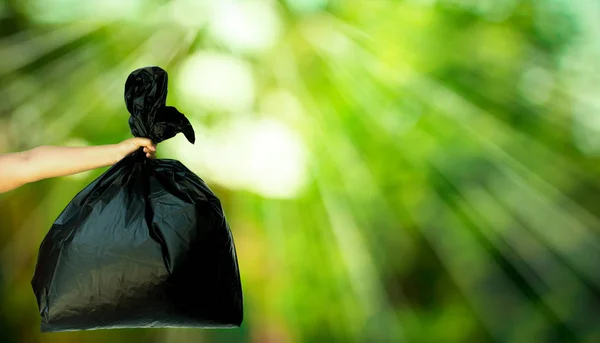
<point>145,98</point>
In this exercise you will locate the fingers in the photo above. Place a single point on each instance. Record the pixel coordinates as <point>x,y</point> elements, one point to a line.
<point>150,153</point>
<point>149,146</point>
<point>130,145</point>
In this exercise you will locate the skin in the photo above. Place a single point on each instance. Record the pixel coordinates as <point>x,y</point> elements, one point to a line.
<point>17,169</point>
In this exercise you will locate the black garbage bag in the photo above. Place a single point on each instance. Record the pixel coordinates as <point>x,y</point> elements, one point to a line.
<point>144,245</point>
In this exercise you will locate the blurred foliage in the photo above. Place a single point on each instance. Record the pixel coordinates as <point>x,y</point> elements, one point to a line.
<point>419,171</point>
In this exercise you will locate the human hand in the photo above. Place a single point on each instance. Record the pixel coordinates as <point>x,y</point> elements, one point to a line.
<point>128,146</point>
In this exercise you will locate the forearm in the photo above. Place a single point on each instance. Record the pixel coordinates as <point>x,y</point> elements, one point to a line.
<point>45,162</point>
<point>52,161</point>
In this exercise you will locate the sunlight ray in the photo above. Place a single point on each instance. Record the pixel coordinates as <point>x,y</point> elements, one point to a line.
<point>551,265</point>
<point>368,95</point>
<point>468,115</point>
<point>351,158</point>
<point>18,54</point>
<point>182,48</point>
<point>470,286</point>
<point>109,83</point>
<point>346,153</point>
<point>353,162</point>
<point>18,246</point>
<point>556,238</point>
<point>345,299</point>
<point>362,272</point>
<point>353,246</point>
<point>54,71</point>
<point>404,76</point>
<point>553,202</point>
<point>555,284</point>
<point>468,264</point>
<point>30,114</point>
<point>278,264</point>
<point>21,90</point>
<point>563,250</point>
<point>459,251</point>
<point>273,224</point>
<point>551,269</point>
<point>557,229</point>
<point>350,241</point>
<point>422,170</point>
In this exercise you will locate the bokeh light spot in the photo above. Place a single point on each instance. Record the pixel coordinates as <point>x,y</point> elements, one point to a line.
<point>216,81</point>
<point>536,85</point>
<point>248,26</point>
<point>190,13</point>
<point>264,157</point>
<point>306,6</point>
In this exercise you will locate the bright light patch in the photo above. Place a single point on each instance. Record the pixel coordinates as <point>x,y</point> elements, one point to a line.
<point>110,9</point>
<point>320,32</point>
<point>275,160</point>
<point>282,103</point>
<point>216,81</point>
<point>264,157</point>
<point>536,85</point>
<point>60,11</point>
<point>190,13</point>
<point>247,26</point>
<point>306,6</point>
<point>582,83</point>
<point>586,127</point>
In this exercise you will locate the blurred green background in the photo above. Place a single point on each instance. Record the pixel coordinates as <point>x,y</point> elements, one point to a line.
<point>393,171</point>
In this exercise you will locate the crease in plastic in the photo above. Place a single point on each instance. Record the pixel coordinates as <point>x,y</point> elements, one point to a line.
<point>190,275</point>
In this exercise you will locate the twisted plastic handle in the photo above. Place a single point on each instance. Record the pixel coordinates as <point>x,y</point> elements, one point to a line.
<point>145,98</point>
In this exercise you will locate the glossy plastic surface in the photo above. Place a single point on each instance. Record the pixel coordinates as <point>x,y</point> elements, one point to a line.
<point>146,244</point>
